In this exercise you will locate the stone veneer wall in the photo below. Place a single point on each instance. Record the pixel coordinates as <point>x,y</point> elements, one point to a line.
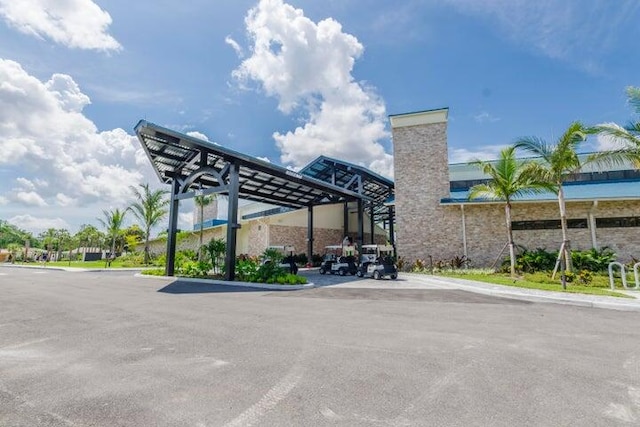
<point>423,227</point>
<point>486,230</point>
<point>297,236</point>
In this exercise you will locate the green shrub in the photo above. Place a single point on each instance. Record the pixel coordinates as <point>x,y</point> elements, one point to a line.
<point>593,259</point>
<point>585,277</point>
<point>153,272</point>
<point>246,268</point>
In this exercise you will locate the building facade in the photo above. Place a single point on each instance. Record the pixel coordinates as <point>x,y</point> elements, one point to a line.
<point>436,221</point>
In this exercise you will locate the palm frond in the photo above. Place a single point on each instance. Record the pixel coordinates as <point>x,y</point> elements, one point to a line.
<point>634,97</point>
<point>534,145</point>
<point>484,191</point>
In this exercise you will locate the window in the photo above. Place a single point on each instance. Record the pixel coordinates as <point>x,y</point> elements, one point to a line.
<point>625,221</point>
<point>548,224</point>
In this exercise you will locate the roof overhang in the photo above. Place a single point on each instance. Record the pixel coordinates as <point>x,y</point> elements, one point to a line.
<point>202,165</point>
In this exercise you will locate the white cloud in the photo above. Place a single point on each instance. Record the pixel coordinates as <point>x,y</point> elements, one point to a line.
<point>25,183</point>
<point>29,198</point>
<point>63,200</point>
<point>236,47</point>
<point>485,117</point>
<point>59,155</point>
<point>74,23</point>
<point>463,155</point>
<point>198,135</point>
<point>185,221</point>
<point>29,222</point>
<point>574,31</point>
<point>307,66</point>
<point>3,201</point>
<point>264,159</point>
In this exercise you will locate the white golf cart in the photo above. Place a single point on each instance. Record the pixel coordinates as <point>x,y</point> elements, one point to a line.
<point>331,255</point>
<point>377,262</point>
<point>345,264</point>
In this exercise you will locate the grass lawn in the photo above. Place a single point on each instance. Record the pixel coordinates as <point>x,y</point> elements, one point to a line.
<point>84,264</point>
<point>543,282</point>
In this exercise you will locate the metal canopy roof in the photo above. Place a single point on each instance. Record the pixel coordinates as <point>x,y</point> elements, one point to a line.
<point>347,175</point>
<point>203,165</point>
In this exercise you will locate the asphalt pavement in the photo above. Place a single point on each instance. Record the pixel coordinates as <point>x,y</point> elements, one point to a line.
<point>108,348</point>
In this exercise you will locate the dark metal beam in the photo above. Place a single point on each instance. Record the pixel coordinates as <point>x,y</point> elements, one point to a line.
<point>310,232</point>
<point>345,219</point>
<point>232,222</point>
<point>360,225</point>
<point>372,227</point>
<point>174,206</point>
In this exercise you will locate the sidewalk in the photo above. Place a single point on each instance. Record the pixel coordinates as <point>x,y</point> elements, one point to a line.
<point>583,300</point>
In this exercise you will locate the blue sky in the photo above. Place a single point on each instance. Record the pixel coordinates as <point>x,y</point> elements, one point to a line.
<point>287,81</point>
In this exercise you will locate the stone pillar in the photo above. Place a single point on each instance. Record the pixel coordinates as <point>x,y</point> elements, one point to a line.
<point>424,228</point>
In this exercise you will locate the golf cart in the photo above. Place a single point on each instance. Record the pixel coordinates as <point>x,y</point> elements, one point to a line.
<point>346,263</point>
<point>331,255</point>
<point>382,265</point>
<point>288,262</point>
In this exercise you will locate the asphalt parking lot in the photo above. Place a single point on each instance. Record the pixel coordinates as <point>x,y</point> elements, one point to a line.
<point>107,349</point>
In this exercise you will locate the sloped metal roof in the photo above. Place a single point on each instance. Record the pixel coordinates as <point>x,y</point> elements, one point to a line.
<point>343,174</point>
<point>176,155</point>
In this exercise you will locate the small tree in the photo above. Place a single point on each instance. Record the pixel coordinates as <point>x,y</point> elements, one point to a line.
<point>112,222</point>
<point>510,178</point>
<point>217,249</point>
<point>557,162</point>
<point>150,209</point>
<point>201,202</point>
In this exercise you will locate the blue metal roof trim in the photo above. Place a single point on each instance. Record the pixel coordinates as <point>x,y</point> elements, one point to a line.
<point>209,223</point>
<point>573,192</point>
<point>308,172</point>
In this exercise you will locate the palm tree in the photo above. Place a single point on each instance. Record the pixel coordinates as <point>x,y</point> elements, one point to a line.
<point>202,201</point>
<point>150,209</point>
<point>510,178</point>
<point>112,222</point>
<point>628,136</point>
<point>557,162</point>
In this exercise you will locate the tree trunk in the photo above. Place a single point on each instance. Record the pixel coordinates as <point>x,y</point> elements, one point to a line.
<point>563,224</point>
<point>512,250</point>
<point>201,231</point>
<point>146,247</point>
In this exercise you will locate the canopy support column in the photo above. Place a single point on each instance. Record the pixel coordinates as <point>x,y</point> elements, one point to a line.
<point>345,219</point>
<point>174,206</point>
<point>310,233</point>
<point>372,227</point>
<point>232,222</point>
<point>360,225</point>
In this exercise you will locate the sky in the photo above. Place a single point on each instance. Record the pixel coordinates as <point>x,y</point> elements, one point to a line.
<point>287,81</point>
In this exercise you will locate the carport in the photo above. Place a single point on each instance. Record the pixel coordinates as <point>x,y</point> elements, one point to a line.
<point>196,167</point>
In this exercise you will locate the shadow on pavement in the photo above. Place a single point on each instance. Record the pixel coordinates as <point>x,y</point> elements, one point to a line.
<point>181,287</point>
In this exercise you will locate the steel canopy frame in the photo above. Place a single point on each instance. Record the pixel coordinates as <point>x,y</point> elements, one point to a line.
<point>376,189</point>
<point>193,166</point>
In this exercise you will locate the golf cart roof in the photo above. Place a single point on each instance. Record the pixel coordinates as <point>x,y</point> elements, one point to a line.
<point>369,246</point>
<point>333,247</point>
<point>285,248</point>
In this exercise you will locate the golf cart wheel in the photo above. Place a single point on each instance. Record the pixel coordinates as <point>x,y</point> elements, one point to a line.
<point>342,272</point>
<point>322,270</point>
<point>376,275</point>
<point>394,276</point>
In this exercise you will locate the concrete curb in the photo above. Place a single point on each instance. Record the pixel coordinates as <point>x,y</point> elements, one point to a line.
<point>271,287</point>
<point>72,269</point>
<point>506,292</point>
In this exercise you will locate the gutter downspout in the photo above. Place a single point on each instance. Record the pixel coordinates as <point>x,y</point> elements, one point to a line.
<point>592,224</point>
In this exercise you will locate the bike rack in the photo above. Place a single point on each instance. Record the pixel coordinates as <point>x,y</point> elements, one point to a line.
<point>623,274</point>
<point>636,275</point>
